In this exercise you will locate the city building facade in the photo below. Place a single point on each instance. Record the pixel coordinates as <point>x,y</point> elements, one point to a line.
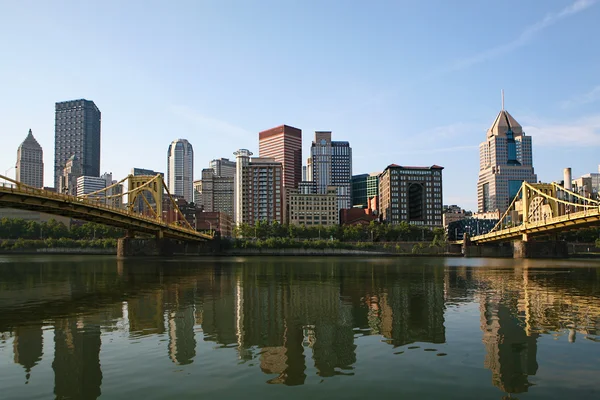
<point>223,167</point>
<point>67,183</point>
<point>284,144</point>
<point>330,164</point>
<point>214,193</point>
<point>505,161</point>
<point>216,221</point>
<point>313,209</point>
<point>180,169</point>
<point>411,194</point>
<point>258,189</point>
<point>364,187</point>
<point>588,185</point>
<point>77,133</point>
<point>30,162</point>
<point>91,184</point>
<point>145,172</point>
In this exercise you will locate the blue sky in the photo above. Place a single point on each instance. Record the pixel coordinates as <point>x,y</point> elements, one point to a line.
<point>406,82</point>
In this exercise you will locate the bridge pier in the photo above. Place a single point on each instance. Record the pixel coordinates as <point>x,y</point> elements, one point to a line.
<point>540,249</point>
<point>132,247</point>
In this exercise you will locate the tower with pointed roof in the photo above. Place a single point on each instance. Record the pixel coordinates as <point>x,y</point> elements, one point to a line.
<point>505,161</point>
<point>30,162</point>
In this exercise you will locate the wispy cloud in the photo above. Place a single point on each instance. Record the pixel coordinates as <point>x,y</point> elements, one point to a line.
<point>524,38</point>
<point>452,138</point>
<point>584,132</point>
<point>209,125</point>
<point>412,151</point>
<point>586,98</point>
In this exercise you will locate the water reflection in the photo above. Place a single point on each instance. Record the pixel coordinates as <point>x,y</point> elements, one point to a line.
<point>28,347</point>
<point>286,317</point>
<point>76,365</point>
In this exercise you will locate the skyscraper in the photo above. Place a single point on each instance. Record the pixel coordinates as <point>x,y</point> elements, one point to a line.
<point>505,161</point>
<point>331,165</point>
<point>30,162</point>
<point>77,133</point>
<point>284,144</point>
<point>180,169</point>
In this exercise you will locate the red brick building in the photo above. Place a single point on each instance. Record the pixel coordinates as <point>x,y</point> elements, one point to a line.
<point>215,221</point>
<point>284,144</point>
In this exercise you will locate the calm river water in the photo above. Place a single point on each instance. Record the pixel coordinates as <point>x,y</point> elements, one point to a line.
<point>298,328</point>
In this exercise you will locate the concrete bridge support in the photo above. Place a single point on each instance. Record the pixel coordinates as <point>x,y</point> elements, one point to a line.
<point>132,247</point>
<point>161,247</point>
<point>540,249</point>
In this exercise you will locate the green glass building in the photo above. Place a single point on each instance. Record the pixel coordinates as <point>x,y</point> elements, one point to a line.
<point>364,187</point>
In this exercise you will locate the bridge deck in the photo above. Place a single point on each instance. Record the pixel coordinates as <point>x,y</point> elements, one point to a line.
<point>576,220</point>
<point>27,198</point>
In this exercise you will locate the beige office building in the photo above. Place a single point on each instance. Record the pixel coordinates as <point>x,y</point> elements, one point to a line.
<point>214,193</point>
<point>30,162</point>
<point>505,161</point>
<point>313,209</point>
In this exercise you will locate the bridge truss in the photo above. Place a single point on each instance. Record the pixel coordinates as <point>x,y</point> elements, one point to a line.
<point>138,210</point>
<point>543,209</point>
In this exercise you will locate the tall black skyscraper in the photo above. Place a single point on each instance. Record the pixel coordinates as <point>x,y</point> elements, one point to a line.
<point>77,132</point>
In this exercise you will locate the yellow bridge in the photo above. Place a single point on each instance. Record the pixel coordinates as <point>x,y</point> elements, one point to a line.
<point>102,208</point>
<point>542,209</point>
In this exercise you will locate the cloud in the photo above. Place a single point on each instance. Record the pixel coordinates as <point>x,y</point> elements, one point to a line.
<point>208,125</point>
<point>590,97</point>
<point>584,132</point>
<point>525,37</point>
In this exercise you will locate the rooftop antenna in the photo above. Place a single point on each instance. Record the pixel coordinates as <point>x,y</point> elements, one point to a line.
<point>502,91</point>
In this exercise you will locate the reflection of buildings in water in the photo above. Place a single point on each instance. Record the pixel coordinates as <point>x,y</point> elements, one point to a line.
<point>555,300</point>
<point>76,365</point>
<point>146,314</point>
<point>330,318</point>
<point>181,321</point>
<point>28,347</point>
<point>218,308</point>
<point>287,361</point>
<point>510,352</point>
<point>411,310</point>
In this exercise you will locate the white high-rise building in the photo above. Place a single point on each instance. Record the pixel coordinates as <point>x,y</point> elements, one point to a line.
<point>180,169</point>
<point>30,162</point>
<point>505,161</point>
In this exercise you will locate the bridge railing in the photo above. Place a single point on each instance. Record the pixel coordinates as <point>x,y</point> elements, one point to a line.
<point>548,222</point>
<point>16,187</point>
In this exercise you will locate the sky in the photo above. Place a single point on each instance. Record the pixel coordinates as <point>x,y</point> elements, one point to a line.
<point>408,82</point>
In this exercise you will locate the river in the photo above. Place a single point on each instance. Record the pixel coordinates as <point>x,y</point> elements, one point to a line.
<point>87,327</point>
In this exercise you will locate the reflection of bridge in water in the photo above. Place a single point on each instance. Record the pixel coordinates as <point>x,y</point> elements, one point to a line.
<point>283,319</point>
<point>518,305</point>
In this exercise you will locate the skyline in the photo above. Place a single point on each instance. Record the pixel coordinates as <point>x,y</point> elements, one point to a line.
<point>215,74</point>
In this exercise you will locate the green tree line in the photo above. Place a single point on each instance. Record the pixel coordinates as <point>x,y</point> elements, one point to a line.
<point>32,244</point>
<point>15,228</point>
<point>373,232</point>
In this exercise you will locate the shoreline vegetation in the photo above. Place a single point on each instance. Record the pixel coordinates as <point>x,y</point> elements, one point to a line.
<point>30,237</point>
